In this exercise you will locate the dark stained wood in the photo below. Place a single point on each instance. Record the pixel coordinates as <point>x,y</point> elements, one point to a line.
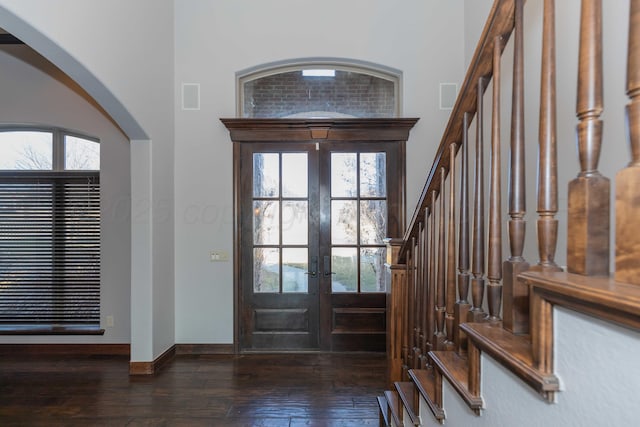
<point>512,351</point>
<point>411,306</point>
<point>396,284</point>
<point>531,356</point>
<point>588,215</point>
<point>451,253</point>
<point>456,370</point>
<point>154,366</point>
<point>462,306</point>
<point>250,390</point>
<point>602,297</point>
<point>419,289</point>
<point>628,179</point>
<point>494,268</point>
<point>351,129</point>
<point>477,314</point>
<point>440,288</point>
<point>547,224</point>
<point>395,406</point>
<point>429,385</point>
<point>515,295</point>
<point>66,349</point>
<point>407,394</point>
<point>305,321</point>
<point>425,290</point>
<point>431,290</point>
<point>385,411</point>
<point>199,349</point>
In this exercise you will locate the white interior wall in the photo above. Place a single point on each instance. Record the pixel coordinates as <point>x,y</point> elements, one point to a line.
<point>213,41</point>
<point>41,94</point>
<point>121,53</point>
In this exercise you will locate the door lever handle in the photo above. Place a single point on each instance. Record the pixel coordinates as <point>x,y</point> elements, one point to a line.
<point>327,266</point>
<point>313,271</point>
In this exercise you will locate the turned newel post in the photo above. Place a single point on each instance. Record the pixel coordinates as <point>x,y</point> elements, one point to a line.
<point>588,218</point>
<point>547,224</point>
<point>628,179</point>
<point>516,294</point>
<point>396,289</point>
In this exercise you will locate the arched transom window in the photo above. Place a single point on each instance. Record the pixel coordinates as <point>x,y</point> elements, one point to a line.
<point>319,88</point>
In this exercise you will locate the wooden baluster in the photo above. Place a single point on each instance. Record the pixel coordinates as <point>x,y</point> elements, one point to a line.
<point>405,316</point>
<point>547,224</point>
<point>494,269</point>
<point>588,217</point>
<point>431,290</point>
<point>418,302</point>
<point>440,337</point>
<point>476,314</point>
<point>425,286</point>
<point>515,294</point>
<point>410,311</point>
<point>628,179</point>
<point>462,305</point>
<point>451,251</point>
<point>414,301</point>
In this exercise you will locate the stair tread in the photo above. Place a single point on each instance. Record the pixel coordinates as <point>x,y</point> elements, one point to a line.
<point>426,383</point>
<point>384,409</point>
<point>456,370</point>
<point>394,404</point>
<point>512,351</point>
<point>406,390</point>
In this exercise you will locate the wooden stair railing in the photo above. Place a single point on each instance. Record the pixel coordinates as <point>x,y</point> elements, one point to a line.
<point>444,334</point>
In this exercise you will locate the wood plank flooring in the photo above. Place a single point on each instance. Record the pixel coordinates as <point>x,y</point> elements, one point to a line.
<point>292,390</point>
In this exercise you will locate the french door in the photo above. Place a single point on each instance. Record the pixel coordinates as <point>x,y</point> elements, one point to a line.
<point>312,216</point>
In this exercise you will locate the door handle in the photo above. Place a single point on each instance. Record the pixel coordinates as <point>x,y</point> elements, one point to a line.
<point>313,271</point>
<point>327,266</point>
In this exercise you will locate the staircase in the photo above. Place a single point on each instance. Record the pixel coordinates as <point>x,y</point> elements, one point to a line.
<point>476,338</point>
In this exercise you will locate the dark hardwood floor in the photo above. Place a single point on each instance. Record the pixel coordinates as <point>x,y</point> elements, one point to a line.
<point>250,390</point>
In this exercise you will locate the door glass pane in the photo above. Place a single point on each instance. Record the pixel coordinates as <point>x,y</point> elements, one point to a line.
<point>81,154</point>
<point>266,270</point>
<point>344,222</point>
<point>294,175</point>
<point>373,177</point>
<point>294,269</point>
<point>266,175</point>
<point>344,182</point>
<point>344,265</point>
<point>266,222</point>
<point>26,150</point>
<point>373,221</point>
<point>295,222</point>
<point>372,269</point>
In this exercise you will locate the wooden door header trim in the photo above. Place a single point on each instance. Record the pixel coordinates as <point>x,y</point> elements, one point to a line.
<point>342,129</point>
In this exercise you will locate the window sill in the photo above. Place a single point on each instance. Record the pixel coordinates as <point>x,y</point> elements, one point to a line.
<point>50,330</point>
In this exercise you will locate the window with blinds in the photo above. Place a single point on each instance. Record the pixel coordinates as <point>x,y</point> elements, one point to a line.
<point>49,232</point>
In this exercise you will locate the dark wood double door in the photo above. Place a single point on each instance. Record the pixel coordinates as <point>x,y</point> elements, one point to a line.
<point>312,214</point>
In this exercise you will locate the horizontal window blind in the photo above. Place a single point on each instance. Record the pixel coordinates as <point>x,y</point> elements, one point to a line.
<point>50,249</point>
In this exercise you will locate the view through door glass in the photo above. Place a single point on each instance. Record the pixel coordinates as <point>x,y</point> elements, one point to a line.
<point>313,257</point>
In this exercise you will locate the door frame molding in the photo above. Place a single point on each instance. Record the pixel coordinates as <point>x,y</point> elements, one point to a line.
<point>243,130</point>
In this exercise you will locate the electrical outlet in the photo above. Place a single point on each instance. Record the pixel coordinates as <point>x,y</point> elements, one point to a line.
<point>219,255</point>
<point>109,321</point>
